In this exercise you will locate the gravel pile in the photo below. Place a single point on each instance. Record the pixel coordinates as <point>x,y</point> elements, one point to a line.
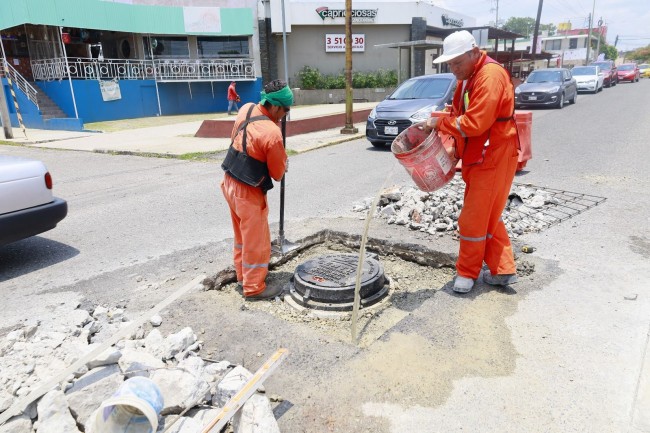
<point>437,212</point>
<point>194,389</point>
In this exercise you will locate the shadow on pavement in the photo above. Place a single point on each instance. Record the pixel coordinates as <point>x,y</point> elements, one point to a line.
<point>31,254</point>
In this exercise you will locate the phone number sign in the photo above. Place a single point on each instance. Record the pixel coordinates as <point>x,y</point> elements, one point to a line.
<point>335,43</point>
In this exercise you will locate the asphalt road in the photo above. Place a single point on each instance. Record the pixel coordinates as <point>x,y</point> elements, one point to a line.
<point>133,220</point>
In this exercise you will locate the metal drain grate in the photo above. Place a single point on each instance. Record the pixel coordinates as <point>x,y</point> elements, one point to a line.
<point>557,205</point>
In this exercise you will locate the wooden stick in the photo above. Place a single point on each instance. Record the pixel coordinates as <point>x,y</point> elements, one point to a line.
<point>238,400</point>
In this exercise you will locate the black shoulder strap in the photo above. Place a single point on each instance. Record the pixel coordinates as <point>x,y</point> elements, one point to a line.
<point>245,123</point>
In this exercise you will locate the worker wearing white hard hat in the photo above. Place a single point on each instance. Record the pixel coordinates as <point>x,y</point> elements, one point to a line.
<point>482,123</point>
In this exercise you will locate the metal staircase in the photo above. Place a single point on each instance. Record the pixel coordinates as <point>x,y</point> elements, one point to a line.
<point>47,107</point>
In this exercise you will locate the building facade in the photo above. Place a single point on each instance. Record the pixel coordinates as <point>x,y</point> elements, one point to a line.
<point>72,62</point>
<point>315,35</point>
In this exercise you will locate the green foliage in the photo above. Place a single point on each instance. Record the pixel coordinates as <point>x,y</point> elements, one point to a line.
<point>334,81</point>
<point>526,26</point>
<point>552,29</point>
<point>311,78</point>
<point>523,26</point>
<point>610,51</point>
<point>640,55</point>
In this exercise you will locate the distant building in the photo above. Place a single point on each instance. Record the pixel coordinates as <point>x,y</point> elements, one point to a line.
<point>571,50</point>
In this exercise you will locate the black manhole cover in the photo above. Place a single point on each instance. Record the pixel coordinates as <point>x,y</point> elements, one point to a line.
<point>327,282</point>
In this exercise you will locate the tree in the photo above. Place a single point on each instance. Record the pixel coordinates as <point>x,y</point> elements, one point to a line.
<point>640,55</point>
<point>610,51</point>
<point>523,26</point>
<point>551,28</point>
<point>526,26</point>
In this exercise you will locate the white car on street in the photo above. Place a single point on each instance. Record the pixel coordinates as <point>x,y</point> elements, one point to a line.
<point>588,78</point>
<point>27,206</point>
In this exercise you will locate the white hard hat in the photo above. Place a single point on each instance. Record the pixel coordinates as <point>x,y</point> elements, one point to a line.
<point>456,44</point>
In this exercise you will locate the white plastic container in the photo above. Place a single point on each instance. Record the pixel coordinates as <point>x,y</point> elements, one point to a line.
<point>134,408</point>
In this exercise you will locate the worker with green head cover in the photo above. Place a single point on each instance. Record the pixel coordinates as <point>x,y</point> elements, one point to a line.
<point>256,156</point>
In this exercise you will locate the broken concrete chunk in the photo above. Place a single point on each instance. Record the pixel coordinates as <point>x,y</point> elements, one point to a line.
<point>138,363</point>
<point>89,391</point>
<point>54,415</point>
<point>256,416</point>
<point>230,385</point>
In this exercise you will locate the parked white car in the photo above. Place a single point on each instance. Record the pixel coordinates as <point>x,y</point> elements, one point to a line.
<point>588,78</point>
<point>27,206</point>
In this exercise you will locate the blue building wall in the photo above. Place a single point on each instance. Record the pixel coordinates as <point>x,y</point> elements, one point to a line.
<point>31,115</point>
<point>138,98</point>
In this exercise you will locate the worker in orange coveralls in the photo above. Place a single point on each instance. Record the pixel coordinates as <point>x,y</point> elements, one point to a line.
<point>256,156</point>
<point>482,123</point>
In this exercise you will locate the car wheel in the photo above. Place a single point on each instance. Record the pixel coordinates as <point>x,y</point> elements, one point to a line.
<point>560,103</point>
<point>575,98</point>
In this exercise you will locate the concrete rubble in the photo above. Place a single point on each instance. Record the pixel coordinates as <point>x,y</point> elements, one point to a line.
<point>191,387</point>
<point>437,212</point>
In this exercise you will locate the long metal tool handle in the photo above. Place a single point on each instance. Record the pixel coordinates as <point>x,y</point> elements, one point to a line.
<point>283,127</point>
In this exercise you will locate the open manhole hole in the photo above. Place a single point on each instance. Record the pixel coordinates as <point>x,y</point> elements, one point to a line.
<point>328,282</point>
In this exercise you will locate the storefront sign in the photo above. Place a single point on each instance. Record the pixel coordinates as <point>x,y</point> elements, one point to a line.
<point>335,43</point>
<point>358,15</point>
<point>449,21</point>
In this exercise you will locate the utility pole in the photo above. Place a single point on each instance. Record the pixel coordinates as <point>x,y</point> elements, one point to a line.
<point>349,126</point>
<point>4,108</point>
<point>591,21</point>
<point>539,16</point>
<point>600,35</point>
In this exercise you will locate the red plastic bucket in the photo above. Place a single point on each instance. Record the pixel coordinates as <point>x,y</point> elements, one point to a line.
<point>424,158</point>
<point>524,120</point>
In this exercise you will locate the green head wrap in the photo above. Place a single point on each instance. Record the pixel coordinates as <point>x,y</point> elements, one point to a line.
<point>281,98</point>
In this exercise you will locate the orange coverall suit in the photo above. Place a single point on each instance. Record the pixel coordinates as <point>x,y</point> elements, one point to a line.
<point>483,111</point>
<point>248,206</point>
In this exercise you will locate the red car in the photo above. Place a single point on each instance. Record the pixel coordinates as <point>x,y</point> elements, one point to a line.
<point>628,72</point>
<point>609,69</point>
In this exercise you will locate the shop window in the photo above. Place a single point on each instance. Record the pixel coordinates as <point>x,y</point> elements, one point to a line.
<point>573,43</point>
<point>166,47</point>
<point>219,47</point>
<point>555,44</point>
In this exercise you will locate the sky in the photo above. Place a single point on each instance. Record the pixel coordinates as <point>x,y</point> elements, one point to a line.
<point>630,19</point>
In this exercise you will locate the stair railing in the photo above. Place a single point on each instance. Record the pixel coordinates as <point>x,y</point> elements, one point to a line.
<point>21,82</point>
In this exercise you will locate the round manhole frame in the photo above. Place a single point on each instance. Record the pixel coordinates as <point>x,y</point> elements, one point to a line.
<point>327,283</point>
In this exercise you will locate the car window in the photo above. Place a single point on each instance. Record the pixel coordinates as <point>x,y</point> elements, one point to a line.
<point>605,66</point>
<point>422,89</point>
<point>545,77</point>
<point>626,67</point>
<point>584,70</point>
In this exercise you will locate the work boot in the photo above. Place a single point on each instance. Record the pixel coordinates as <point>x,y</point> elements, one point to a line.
<point>269,293</point>
<point>499,279</point>
<point>463,284</point>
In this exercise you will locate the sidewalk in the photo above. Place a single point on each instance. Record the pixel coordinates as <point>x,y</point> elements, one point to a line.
<point>178,138</point>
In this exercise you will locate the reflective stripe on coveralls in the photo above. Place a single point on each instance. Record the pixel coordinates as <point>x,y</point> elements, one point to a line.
<point>487,171</point>
<point>248,206</point>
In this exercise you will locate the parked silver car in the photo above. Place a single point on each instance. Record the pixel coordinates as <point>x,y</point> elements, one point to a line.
<point>27,206</point>
<point>547,88</point>
<point>412,102</point>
